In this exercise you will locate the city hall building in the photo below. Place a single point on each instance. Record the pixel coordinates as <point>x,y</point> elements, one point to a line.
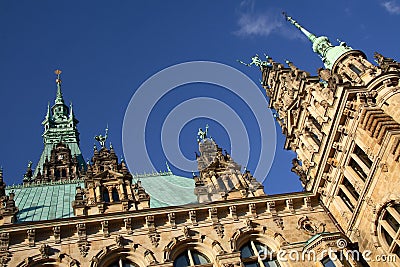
<point>343,124</point>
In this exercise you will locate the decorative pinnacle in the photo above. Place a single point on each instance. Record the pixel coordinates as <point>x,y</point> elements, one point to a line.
<point>168,168</point>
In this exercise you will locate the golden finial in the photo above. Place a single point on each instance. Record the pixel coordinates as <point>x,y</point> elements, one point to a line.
<point>58,72</point>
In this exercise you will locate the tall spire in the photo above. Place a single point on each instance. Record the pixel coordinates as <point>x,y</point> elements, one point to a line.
<point>321,45</point>
<point>59,97</point>
<point>59,124</point>
<point>309,35</point>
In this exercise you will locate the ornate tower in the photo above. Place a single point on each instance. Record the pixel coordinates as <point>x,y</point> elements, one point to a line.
<point>344,126</point>
<point>61,157</point>
<point>109,187</point>
<point>220,177</point>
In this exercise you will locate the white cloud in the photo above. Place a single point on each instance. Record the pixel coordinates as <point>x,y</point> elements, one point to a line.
<point>392,7</point>
<point>257,25</point>
<point>263,23</point>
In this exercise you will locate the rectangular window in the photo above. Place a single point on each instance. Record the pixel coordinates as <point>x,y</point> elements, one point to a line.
<point>351,188</point>
<point>346,200</point>
<point>355,69</point>
<point>315,122</point>
<point>354,165</point>
<point>364,157</point>
<point>327,262</point>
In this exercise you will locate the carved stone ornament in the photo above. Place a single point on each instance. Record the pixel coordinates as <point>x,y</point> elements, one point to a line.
<point>310,226</point>
<point>84,247</point>
<point>5,257</point>
<point>219,229</point>
<point>44,251</point>
<point>119,241</point>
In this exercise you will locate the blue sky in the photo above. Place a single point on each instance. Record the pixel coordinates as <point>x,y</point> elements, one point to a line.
<point>106,51</point>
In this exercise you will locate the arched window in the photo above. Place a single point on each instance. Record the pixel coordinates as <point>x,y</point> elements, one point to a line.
<point>389,228</point>
<point>254,254</point>
<point>191,258</point>
<point>122,263</point>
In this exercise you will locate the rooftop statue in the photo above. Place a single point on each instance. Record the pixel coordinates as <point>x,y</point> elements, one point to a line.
<point>202,135</point>
<point>102,139</point>
<point>257,62</point>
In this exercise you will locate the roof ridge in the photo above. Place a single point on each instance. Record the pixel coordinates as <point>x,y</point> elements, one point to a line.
<point>18,186</point>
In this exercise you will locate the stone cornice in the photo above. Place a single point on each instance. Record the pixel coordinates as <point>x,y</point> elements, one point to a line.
<point>280,205</point>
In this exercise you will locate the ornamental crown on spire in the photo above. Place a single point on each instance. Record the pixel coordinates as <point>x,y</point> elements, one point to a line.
<point>321,45</point>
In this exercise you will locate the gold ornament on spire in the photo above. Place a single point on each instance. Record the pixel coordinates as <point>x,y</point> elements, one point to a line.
<point>58,72</point>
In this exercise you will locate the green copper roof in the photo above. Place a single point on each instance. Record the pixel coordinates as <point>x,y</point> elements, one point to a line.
<point>42,202</point>
<point>322,46</point>
<point>167,189</point>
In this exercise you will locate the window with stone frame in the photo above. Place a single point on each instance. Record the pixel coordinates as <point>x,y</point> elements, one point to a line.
<point>348,194</point>
<point>362,156</point>
<point>355,166</point>
<point>121,262</point>
<point>346,200</point>
<point>389,228</point>
<point>191,257</point>
<point>360,163</point>
<point>255,254</point>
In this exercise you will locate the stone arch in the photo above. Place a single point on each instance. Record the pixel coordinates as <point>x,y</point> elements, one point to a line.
<point>378,211</point>
<point>136,254</point>
<point>266,236</point>
<point>59,260</point>
<point>181,243</point>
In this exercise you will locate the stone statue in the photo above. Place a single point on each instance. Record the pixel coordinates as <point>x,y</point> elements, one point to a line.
<point>102,139</point>
<point>202,135</point>
<point>257,62</point>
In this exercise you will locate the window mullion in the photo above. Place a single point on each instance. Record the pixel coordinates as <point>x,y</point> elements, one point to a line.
<point>191,261</point>
<point>394,213</point>
<point>388,228</point>
<point>255,251</point>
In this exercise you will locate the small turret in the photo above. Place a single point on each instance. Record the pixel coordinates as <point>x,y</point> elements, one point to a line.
<point>219,175</point>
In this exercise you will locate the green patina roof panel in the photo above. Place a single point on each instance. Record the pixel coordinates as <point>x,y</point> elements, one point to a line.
<point>168,190</point>
<point>44,201</point>
<point>50,201</point>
